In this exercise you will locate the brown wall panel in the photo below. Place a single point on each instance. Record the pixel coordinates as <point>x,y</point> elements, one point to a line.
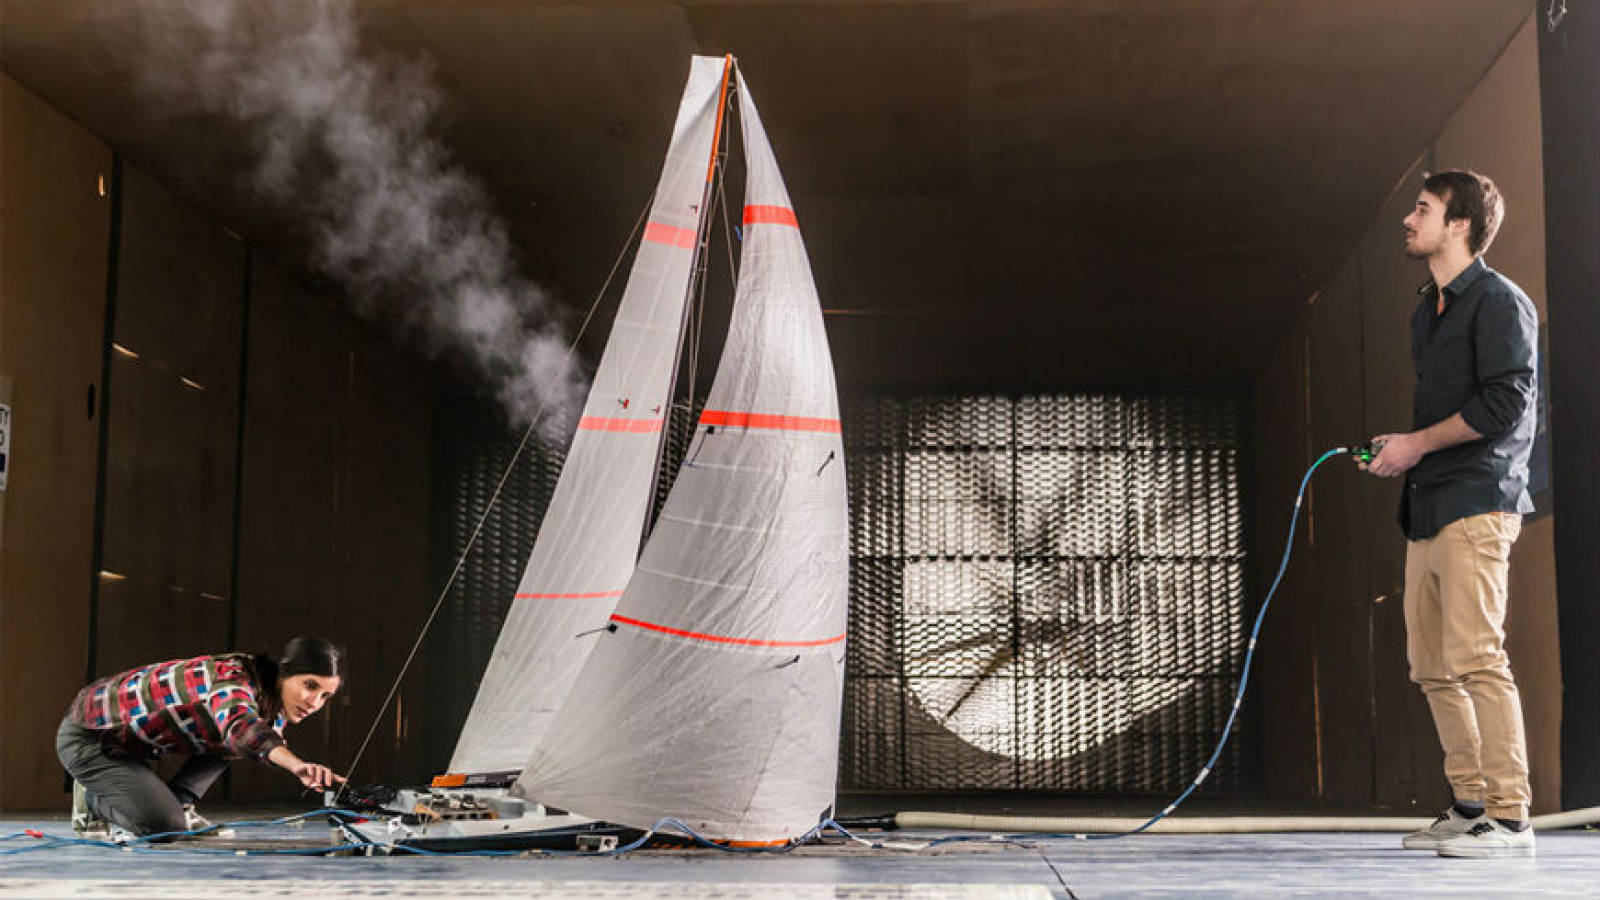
<point>180,286</point>
<point>54,225</point>
<point>173,407</point>
<point>1334,530</point>
<point>1569,60</point>
<point>334,519</point>
<point>169,480</point>
<point>1496,132</point>
<point>1286,688</point>
<point>155,622</point>
<point>1533,643</point>
<point>293,440</point>
<point>383,581</point>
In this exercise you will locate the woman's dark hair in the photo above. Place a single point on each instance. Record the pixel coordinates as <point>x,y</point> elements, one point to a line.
<point>304,655</point>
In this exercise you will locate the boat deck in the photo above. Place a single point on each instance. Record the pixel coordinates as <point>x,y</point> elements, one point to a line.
<point>1210,866</point>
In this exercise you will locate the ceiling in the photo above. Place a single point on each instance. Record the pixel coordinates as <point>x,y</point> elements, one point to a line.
<point>996,194</point>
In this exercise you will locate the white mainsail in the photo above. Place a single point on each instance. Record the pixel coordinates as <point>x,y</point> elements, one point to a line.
<point>715,696</point>
<point>588,543</point>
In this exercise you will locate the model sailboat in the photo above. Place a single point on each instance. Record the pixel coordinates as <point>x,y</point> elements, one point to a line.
<point>702,678</point>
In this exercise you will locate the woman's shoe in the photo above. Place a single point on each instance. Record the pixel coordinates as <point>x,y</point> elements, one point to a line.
<point>201,827</point>
<point>85,823</point>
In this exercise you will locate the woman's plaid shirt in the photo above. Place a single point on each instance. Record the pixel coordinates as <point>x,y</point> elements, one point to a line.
<point>202,705</point>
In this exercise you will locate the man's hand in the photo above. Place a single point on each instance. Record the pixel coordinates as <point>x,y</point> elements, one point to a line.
<point>1398,454</point>
<point>313,775</point>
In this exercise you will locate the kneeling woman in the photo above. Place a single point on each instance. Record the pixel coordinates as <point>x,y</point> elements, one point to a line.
<point>209,708</point>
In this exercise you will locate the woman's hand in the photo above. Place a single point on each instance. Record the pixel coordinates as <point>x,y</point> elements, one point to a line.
<point>313,775</point>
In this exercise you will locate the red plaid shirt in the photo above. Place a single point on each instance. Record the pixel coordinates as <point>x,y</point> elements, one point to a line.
<point>201,705</point>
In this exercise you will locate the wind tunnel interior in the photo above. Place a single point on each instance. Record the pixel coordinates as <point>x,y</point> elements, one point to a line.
<point>1084,358</point>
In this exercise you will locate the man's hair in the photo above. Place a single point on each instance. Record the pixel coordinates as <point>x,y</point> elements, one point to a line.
<point>1468,195</point>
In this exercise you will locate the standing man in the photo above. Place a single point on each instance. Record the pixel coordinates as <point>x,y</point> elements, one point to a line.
<point>1473,341</point>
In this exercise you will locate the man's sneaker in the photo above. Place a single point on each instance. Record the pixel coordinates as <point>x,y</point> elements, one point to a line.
<point>1449,824</point>
<point>201,826</point>
<point>1488,840</point>
<point>85,823</point>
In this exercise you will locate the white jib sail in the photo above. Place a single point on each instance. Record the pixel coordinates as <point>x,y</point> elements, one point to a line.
<point>588,542</point>
<point>716,697</point>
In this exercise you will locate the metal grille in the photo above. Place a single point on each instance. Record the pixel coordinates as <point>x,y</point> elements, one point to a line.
<point>1047,592</point>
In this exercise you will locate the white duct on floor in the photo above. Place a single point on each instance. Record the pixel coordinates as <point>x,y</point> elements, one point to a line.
<point>1204,824</point>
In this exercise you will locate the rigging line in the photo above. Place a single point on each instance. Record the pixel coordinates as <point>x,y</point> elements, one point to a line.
<point>488,508</point>
<point>697,315</point>
<point>727,230</point>
<point>727,233</point>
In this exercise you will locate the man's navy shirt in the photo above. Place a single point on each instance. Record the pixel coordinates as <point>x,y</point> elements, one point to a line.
<point>1476,358</point>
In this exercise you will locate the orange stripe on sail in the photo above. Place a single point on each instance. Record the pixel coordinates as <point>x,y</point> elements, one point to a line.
<point>590,596</point>
<point>770,215</point>
<point>722,639</point>
<point>671,235</point>
<point>635,426</point>
<point>761,420</point>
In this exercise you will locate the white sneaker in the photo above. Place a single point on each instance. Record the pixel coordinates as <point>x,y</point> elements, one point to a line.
<point>85,823</point>
<point>1449,824</point>
<point>193,821</point>
<point>1488,840</point>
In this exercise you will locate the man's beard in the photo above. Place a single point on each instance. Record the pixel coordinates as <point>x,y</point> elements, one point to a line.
<point>1413,251</point>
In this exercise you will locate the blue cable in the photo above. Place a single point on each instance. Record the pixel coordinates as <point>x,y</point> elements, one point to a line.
<point>144,843</point>
<point>1238,697</point>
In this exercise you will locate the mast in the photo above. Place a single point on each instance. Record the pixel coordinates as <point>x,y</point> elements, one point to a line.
<point>698,267</point>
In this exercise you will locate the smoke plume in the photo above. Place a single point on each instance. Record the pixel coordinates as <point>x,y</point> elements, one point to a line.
<point>344,144</point>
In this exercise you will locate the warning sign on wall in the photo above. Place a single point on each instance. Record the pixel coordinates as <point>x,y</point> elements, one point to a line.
<point>5,442</point>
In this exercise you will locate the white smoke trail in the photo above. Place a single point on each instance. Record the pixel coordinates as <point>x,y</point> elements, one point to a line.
<point>344,143</point>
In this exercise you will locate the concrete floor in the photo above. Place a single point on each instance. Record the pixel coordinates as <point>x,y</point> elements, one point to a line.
<point>1311,865</point>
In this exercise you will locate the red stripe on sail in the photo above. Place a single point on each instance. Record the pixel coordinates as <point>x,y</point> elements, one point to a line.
<point>636,426</point>
<point>761,420</point>
<point>722,639</point>
<point>671,235</point>
<point>590,596</point>
<point>770,215</point>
